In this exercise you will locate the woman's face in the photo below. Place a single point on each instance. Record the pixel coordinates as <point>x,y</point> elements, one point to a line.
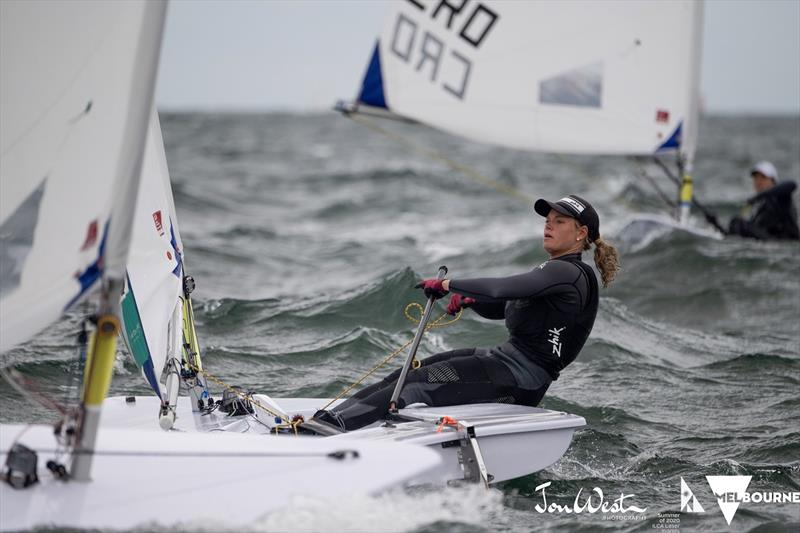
<point>562,235</point>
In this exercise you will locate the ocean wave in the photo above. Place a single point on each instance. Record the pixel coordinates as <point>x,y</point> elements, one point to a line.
<point>618,326</point>
<point>760,361</point>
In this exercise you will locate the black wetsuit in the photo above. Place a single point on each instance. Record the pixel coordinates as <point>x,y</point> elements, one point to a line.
<point>774,215</point>
<point>549,313</point>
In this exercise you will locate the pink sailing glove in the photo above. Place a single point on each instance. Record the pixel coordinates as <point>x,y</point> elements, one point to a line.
<point>432,288</point>
<point>457,303</point>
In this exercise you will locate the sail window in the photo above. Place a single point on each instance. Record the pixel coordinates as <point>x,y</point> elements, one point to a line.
<point>581,87</point>
<point>16,239</point>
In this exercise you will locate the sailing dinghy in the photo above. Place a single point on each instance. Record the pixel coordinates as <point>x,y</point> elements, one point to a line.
<point>443,68</point>
<point>577,77</point>
<point>77,93</point>
<point>487,442</point>
<point>484,443</point>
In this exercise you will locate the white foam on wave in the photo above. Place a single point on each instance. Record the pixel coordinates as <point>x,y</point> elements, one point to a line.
<point>395,511</point>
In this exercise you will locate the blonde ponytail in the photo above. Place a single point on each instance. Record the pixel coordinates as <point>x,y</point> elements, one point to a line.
<point>607,260</point>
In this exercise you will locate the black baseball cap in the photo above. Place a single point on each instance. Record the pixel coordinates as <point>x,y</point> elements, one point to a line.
<point>575,207</point>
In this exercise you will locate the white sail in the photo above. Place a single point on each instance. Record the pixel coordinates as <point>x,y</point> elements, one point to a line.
<point>155,263</point>
<point>611,77</point>
<point>75,79</point>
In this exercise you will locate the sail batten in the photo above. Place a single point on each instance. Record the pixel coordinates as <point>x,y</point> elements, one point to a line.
<point>566,77</point>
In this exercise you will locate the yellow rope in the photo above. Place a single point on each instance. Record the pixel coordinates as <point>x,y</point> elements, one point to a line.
<point>293,424</point>
<point>246,397</point>
<point>414,364</point>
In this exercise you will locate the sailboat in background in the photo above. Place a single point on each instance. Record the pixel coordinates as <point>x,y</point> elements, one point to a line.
<point>576,77</point>
<point>77,86</point>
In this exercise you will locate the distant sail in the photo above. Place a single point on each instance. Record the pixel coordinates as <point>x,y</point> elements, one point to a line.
<point>74,77</point>
<point>565,76</point>
<point>155,263</point>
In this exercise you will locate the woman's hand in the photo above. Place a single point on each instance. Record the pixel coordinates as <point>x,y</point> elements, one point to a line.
<point>433,288</point>
<point>457,303</point>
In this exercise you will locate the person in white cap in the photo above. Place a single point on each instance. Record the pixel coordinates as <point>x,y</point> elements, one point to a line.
<point>774,215</point>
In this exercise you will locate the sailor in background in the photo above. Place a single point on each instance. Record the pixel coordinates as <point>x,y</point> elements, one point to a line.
<point>549,313</point>
<point>773,212</point>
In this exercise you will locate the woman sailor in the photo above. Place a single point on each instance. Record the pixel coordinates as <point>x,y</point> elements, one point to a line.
<point>549,313</point>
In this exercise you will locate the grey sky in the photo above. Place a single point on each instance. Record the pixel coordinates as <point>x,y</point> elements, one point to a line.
<point>304,54</point>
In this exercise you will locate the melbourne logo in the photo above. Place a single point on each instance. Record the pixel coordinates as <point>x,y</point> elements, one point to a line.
<point>689,503</point>
<point>730,491</point>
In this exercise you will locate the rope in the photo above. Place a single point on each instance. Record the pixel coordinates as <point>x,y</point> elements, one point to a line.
<point>502,187</point>
<point>292,424</point>
<point>470,172</point>
<point>661,194</point>
<point>438,323</point>
<point>30,390</point>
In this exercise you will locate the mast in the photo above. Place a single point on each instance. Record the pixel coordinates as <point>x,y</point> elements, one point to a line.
<point>689,142</point>
<point>100,360</point>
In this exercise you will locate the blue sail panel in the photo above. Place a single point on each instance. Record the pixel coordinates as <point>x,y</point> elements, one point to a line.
<point>173,241</point>
<point>372,86</point>
<point>674,141</point>
<point>93,272</point>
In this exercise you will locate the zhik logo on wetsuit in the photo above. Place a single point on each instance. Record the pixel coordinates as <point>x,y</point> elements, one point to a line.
<point>554,337</point>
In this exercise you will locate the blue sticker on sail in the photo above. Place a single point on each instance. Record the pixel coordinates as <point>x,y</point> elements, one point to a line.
<point>372,87</point>
<point>178,257</point>
<point>88,277</point>
<point>674,140</point>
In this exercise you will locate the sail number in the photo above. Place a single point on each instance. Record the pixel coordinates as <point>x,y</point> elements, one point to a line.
<point>471,23</point>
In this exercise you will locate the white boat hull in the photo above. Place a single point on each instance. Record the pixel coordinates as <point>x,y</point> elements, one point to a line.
<point>644,228</point>
<point>514,440</point>
<point>169,478</point>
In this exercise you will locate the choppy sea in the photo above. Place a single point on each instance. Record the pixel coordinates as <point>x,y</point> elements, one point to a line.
<point>306,232</point>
